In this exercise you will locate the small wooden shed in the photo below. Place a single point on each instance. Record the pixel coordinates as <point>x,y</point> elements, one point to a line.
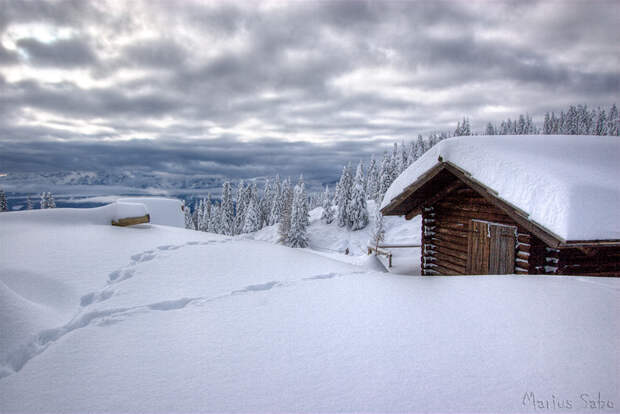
<point>469,228</point>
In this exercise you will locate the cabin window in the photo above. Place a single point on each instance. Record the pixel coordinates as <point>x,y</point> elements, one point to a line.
<point>491,248</point>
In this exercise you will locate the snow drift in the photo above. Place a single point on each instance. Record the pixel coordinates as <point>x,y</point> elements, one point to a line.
<point>149,318</point>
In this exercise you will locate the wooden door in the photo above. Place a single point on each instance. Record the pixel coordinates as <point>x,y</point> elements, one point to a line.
<point>491,248</point>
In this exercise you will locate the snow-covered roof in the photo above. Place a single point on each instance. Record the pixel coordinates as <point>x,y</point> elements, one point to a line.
<point>569,185</point>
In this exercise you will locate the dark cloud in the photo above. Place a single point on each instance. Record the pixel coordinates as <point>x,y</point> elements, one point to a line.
<point>60,53</point>
<point>239,89</point>
<point>223,157</point>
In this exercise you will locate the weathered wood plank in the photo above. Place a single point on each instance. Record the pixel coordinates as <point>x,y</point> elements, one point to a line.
<point>130,221</point>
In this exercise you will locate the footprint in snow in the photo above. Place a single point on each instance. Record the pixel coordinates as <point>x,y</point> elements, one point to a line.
<point>257,288</point>
<point>144,256</point>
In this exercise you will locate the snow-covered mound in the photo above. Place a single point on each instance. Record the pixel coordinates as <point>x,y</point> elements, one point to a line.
<point>164,211</point>
<point>149,318</point>
<point>568,184</point>
<point>57,216</point>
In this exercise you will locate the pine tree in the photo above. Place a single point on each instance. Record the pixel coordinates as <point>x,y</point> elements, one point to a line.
<point>327,216</point>
<point>4,206</point>
<point>385,177</point>
<point>215,221</point>
<point>411,157</point>
<point>28,203</point>
<point>357,209</point>
<point>43,201</point>
<point>343,196</point>
<point>378,232</point>
<point>227,211</point>
<point>403,161</point>
<point>50,200</point>
<point>393,164</point>
<point>420,147</point>
<point>490,130</point>
<point>601,123</point>
<point>189,222</point>
<point>199,215</point>
<point>241,203</point>
<point>547,126</point>
<point>195,218</point>
<point>372,180</point>
<point>613,122</point>
<point>252,218</point>
<point>305,213</point>
<point>285,213</point>
<point>274,214</point>
<point>297,235</point>
<point>265,204</point>
<point>206,213</point>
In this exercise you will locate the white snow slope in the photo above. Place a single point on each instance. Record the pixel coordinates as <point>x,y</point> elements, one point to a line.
<point>568,184</point>
<point>96,318</point>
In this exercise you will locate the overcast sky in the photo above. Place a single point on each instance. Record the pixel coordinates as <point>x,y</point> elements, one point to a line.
<point>254,88</point>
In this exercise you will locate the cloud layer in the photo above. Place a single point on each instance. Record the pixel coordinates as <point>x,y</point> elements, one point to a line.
<point>249,89</point>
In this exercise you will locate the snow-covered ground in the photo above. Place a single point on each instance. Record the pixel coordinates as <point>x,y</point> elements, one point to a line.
<point>332,241</point>
<point>152,318</point>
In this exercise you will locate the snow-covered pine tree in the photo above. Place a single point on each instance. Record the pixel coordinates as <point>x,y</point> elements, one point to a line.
<point>43,202</point>
<point>403,161</point>
<point>420,147</point>
<point>199,215</point>
<point>394,163</point>
<point>547,126</point>
<point>265,204</point>
<point>372,180</point>
<point>601,123</point>
<point>28,203</point>
<point>195,218</point>
<point>613,122</point>
<point>571,122</point>
<point>206,213</point>
<point>285,212</point>
<point>410,156</point>
<point>344,195</point>
<point>252,218</point>
<point>304,204</point>
<point>4,206</point>
<point>241,203</point>
<point>189,221</point>
<point>253,195</point>
<point>298,232</point>
<point>358,211</point>
<point>327,216</point>
<point>50,200</point>
<point>490,130</point>
<point>378,232</point>
<point>227,211</point>
<point>274,214</point>
<point>385,177</point>
<point>215,221</point>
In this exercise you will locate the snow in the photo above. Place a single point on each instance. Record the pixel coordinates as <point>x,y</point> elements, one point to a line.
<point>151,318</point>
<point>567,184</point>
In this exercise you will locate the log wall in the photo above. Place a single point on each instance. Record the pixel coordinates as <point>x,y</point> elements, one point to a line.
<point>601,261</point>
<point>445,232</point>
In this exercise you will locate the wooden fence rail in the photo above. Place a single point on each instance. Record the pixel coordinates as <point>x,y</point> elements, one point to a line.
<point>378,249</point>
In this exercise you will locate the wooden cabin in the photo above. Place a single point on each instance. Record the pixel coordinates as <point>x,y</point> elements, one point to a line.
<point>469,228</point>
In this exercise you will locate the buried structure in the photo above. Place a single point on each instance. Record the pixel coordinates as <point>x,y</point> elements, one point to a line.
<point>515,204</point>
